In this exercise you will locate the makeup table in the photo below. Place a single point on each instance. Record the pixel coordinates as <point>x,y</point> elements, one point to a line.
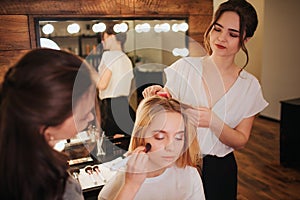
<point>92,170</point>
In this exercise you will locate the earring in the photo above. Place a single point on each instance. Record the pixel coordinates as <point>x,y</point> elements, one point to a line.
<point>51,138</point>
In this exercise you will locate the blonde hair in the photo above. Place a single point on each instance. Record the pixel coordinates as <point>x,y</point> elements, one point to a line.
<point>150,108</point>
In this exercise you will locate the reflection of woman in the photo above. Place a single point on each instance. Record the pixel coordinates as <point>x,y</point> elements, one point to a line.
<point>36,111</point>
<point>116,74</point>
<point>225,96</point>
<point>168,170</point>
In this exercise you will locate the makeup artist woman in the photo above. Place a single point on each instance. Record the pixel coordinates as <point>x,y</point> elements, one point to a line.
<point>36,111</point>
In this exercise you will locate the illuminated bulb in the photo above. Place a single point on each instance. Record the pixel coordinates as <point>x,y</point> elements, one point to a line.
<point>117,28</point>
<point>138,28</point>
<point>157,28</point>
<point>165,27</point>
<point>123,27</point>
<point>73,28</point>
<point>175,28</point>
<point>180,52</point>
<point>47,43</point>
<point>146,27</point>
<point>183,27</point>
<point>48,29</point>
<point>100,27</point>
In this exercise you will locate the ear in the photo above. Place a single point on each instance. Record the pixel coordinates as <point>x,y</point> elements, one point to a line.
<point>49,136</point>
<point>247,39</point>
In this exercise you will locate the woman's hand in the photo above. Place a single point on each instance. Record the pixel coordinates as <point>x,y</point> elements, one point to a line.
<point>200,117</point>
<point>152,90</point>
<point>136,171</point>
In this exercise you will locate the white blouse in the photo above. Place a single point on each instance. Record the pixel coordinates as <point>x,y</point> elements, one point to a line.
<point>173,184</point>
<point>122,74</point>
<point>244,99</point>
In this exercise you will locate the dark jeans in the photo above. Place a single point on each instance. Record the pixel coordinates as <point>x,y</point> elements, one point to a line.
<point>117,116</point>
<point>219,176</point>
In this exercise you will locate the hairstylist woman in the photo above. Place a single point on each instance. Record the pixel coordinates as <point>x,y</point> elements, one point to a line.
<point>225,96</point>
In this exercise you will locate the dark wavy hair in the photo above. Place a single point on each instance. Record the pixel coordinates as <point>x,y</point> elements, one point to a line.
<point>248,22</point>
<point>37,92</point>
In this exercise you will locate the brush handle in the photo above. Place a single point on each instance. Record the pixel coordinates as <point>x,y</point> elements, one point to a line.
<point>123,162</point>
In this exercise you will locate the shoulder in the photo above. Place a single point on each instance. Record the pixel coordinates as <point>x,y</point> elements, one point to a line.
<point>186,65</point>
<point>73,190</point>
<point>249,79</point>
<point>188,61</point>
<point>113,186</point>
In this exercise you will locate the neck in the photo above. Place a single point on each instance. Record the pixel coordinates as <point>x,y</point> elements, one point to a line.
<point>156,173</point>
<point>225,64</point>
<point>116,48</point>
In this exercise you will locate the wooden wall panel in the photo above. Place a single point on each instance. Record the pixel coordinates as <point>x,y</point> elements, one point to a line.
<point>161,7</point>
<point>198,23</point>
<point>8,59</point>
<point>200,7</point>
<point>108,7</point>
<point>14,32</point>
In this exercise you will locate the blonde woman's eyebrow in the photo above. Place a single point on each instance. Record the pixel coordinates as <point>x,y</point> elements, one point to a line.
<point>165,132</point>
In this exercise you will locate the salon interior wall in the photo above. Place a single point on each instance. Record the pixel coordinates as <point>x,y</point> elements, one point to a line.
<point>280,75</point>
<point>274,52</point>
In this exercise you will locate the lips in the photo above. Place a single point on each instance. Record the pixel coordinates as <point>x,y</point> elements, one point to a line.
<point>168,158</point>
<point>220,46</point>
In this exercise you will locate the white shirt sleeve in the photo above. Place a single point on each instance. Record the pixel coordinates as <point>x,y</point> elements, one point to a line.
<point>255,101</point>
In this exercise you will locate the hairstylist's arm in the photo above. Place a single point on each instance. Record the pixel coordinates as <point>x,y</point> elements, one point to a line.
<point>104,79</point>
<point>155,89</point>
<point>136,173</point>
<point>236,137</point>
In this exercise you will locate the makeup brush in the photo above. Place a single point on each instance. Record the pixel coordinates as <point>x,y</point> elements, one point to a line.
<point>123,162</point>
<point>75,172</point>
<point>89,171</point>
<point>97,170</point>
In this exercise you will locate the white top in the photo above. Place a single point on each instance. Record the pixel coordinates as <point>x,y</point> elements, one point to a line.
<point>244,99</point>
<point>122,74</point>
<point>174,184</point>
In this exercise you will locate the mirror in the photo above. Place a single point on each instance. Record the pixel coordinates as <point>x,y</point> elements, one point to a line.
<point>160,41</point>
<point>152,44</point>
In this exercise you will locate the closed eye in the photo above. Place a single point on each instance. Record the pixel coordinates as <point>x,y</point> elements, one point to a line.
<point>216,28</point>
<point>159,135</point>
<point>234,35</point>
<point>179,135</point>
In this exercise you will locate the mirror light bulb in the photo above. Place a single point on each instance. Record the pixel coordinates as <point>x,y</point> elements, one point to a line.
<point>100,27</point>
<point>145,27</point>
<point>73,28</point>
<point>48,29</point>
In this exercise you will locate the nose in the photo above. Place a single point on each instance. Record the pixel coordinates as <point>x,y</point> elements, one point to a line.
<point>222,36</point>
<point>90,117</point>
<point>170,145</point>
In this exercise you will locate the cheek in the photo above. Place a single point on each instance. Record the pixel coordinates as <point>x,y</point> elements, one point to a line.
<point>180,146</point>
<point>71,129</point>
<point>155,145</point>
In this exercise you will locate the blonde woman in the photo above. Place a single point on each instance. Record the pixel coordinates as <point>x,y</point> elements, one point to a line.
<point>168,170</point>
